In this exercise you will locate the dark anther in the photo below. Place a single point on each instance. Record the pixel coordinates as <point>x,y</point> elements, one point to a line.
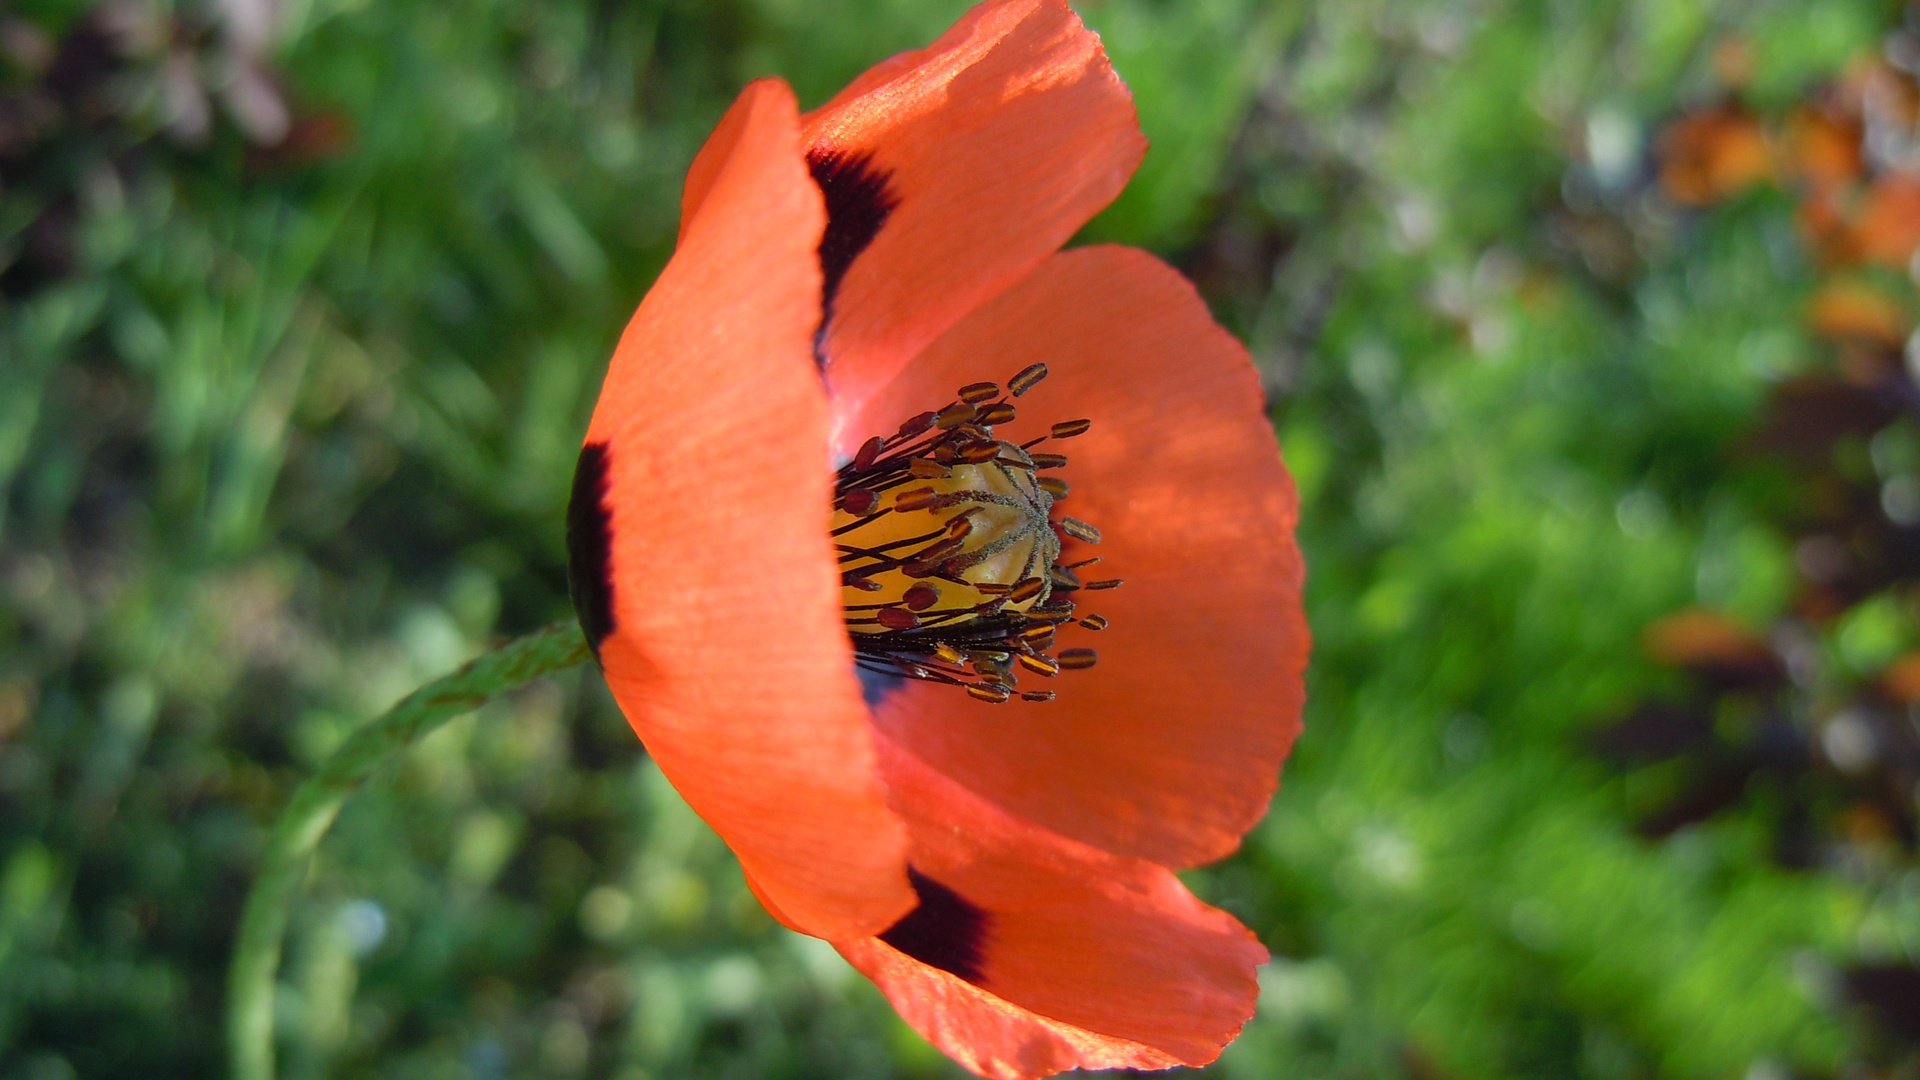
<point>1026,590</point>
<point>1080,530</point>
<point>917,499</point>
<point>1053,615</point>
<point>954,415</point>
<point>1026,379</point>
<point>1045,665</point>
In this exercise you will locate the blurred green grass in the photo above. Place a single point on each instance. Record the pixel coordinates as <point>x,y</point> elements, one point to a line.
<point>286,428</point>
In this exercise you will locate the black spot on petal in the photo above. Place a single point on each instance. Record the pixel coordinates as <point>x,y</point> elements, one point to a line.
<point>858,204</point>
<point>946,931</point>
<point>590,546</point>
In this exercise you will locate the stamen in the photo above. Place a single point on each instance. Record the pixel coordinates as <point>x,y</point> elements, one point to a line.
<point>954,415</point>
<point>917,499</point>
<point>1027,590</point>
<point>949,549</point>
<point>1026,379</point>
<point>1045,665</point>
<point>1057,615</point>
<point>977,453</point>
<point>1080,530</point>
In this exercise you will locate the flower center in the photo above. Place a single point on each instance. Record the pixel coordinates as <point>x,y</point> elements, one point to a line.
<point>950,551</point>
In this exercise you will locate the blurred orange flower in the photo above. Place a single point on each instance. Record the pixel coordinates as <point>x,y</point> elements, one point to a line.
<point>1858,311</point>
<point>1884,228</point>
<point>1713,154</point>
<point>1711,645</point>
<point>826,591</point>
<point>1822,147</point>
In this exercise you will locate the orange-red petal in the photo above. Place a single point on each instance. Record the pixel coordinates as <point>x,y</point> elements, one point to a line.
<point>1170,748</point>
<point>951,171</point>
<point>699,530</point>
<point>1032,954</point>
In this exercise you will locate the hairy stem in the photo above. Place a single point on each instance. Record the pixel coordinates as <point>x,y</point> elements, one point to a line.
<point>256,955</point>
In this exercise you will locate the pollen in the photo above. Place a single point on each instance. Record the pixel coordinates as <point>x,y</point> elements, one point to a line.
<point>950,546</point>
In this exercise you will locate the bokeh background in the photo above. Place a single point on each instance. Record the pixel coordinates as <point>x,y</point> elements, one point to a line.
<point>1587,329</point>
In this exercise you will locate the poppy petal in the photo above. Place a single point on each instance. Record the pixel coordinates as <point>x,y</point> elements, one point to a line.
<point>1170,748</point>
<point>952,171</point>
<point>1031,954</point>
<point>701,562</point>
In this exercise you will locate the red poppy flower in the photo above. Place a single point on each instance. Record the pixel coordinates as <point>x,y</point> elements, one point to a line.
<point>832,581</point>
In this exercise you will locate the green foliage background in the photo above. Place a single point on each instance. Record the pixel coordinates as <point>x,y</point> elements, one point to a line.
<point>284,438</point>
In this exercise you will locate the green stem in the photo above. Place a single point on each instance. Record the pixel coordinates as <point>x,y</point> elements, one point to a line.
<point>256,956</point>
